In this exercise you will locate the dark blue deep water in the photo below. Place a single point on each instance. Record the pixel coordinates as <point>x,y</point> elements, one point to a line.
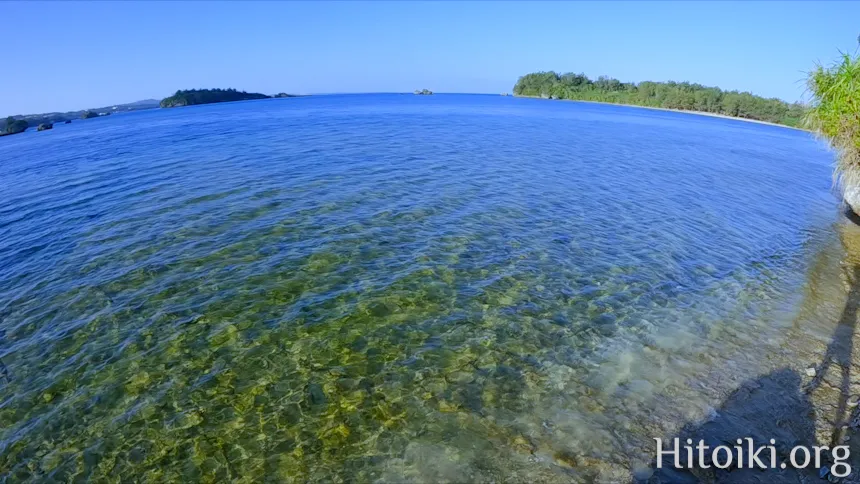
<point>390,287</point>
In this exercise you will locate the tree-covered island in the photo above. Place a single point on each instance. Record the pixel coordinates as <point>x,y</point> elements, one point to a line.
<point>208,96</point>
<point>667,95</point>
<point>14,126</point>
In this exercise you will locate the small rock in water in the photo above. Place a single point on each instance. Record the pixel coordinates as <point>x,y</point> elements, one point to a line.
<point>810,372</point>
<point>605,319</point>
<point>565,458</point>
<point>643,473</point>
<point>560,319</point>
<point>316,395</point>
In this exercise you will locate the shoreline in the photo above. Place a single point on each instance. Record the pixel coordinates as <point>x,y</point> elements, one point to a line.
<point>699,113</point>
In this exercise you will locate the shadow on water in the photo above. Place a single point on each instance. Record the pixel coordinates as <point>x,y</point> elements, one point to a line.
<point>840,352</point>
<point>778,406</point>
<point>770,407</point>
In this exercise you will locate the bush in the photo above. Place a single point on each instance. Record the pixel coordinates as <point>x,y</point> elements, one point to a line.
<point>835,114</point>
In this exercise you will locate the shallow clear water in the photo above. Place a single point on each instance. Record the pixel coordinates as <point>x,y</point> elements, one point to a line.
<point>389,287</point>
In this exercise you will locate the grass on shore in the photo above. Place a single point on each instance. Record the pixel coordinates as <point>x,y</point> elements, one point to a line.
<point>835,114</point>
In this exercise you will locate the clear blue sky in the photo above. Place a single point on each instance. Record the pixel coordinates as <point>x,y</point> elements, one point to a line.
<point>61,56</point>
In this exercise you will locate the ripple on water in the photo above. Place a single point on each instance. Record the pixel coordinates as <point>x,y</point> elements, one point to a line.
<point>389,288</point>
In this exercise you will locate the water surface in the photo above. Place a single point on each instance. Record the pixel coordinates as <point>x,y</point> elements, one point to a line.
<point>391,287</point>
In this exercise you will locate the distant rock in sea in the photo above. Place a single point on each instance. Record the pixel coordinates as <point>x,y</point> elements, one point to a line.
<point>424,92</point>
<point>45,126</point>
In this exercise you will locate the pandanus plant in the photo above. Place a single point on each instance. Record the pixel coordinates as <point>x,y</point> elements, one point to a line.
<point>834,113</point>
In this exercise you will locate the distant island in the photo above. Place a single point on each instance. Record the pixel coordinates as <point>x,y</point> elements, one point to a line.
<point>14,126</point>
<point>67,117</point>
<point>19,123</point>
<point>423,92</point>
<point>208,96</point>
<point>682,96</point>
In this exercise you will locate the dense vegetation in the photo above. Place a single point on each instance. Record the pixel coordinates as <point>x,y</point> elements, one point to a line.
<point>89,114</point>
<point>208,96</point>
<point>13,126</point>
<point>835,114</point>
<point>670,95</point>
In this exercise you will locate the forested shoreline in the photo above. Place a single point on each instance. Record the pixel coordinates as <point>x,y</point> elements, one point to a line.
<point>683,96</point>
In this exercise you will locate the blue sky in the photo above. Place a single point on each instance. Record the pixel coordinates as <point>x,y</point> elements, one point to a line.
<point>61,56</point>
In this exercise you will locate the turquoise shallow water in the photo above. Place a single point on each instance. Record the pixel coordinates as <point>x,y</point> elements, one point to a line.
<point>388,287</point>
